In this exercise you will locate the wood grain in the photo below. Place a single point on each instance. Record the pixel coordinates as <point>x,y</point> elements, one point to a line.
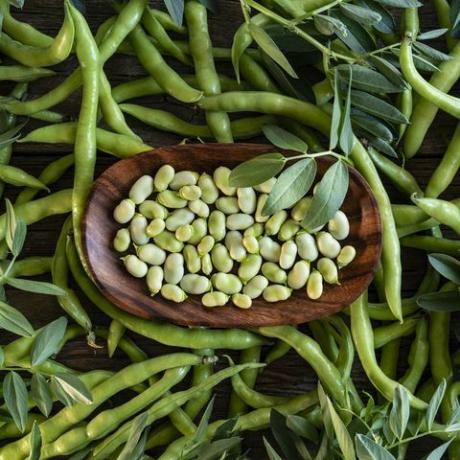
<point>131,294</point>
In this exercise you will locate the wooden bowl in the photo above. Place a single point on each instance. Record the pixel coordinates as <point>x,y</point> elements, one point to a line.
<point>131,294</point>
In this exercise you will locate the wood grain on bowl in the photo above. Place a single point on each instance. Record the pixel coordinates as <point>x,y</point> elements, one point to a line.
<point>132,295</point>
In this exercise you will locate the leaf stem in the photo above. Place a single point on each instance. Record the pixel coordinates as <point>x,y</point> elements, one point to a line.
<point>319,10</point>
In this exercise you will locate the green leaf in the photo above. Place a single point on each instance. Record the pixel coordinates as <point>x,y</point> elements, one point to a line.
<point>357,38</point>
<point>226,429</point>
<point>139,424</point>
<point>336,114</point>
<point>10,224</point>
<point>447,266</point>
<point>2,357</point>
<point>15,395</point>
<point>347,137</point>
<point>323,451</point>
<point>328,25</point>
<point>328,198</point>
<point>431,53</point>
<point>283,139</point>
<point>292,185</point>
<point>438,453</point>
<point>11,135</point>
<point>382,146</point>
<point>210,5</point>
<point>452,428</point>
<point>14,321</point>
<point>390,71</point>
<point>287,440</point>
<point>35,442</point>
<point>435,404</point>
<point>220,449</point>
<point>343,437</point>
<point>257,170</point>
<point>271,452</point>
<point>367,449</point>
<point>400,411</point>
<point>372,125</point>
<point>38,287</point>
<point>41,394</point>
<point>367,79</point>
<point>431,34</point>
<point>200,433</point>
<point>70,388</point>
<point>440,301</point>
<point>387,23</point>
<point>176,10</point>
<point>48,340</point>
<point>359,14</point>
<point>267,44</point>
<point>400,3</point>
<point>19,237</point>
<point>378,107</point>
<point>302,427</point>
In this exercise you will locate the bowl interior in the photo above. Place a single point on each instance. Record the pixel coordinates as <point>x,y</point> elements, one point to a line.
<point>132,295</point>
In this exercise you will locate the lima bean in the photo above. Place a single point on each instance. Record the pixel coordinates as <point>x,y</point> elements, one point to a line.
<point>274,273</point>
<point>206,264</point>
<point>255,287</point>
<point>273,224</point>
<point>183,178</point>
<point>221,179</point>
<point>216,225</point>
<point>328,246</point>
<point>269,249</point>
<point>122,240</point>
<point>199,207</point>
<point>214,299</point>
<point>306,246</point>
<point>173,293</point>
<point>299,211</point>
<point>124,211</point>
<point>226,283</point>
<point>154,280</point>
<point>221,258</point>
<point>167,241</point>
<point>153,210</point>
<point>200,229</point>
<point>141,189</point>
<point>298,276</point>
<point>190,192</point>
<point>239,221</point>
<point>163,178</point>
<point>209,191</point>
<point>137,228</point>
<point>315,285</point>
<point>242,301</point>
<point>184,233</point>
<point>151,254</point>
<point>205,245</point>
<point>256,230</point>
<point>276,293</point>
<point>267,186</point>
<point>195,284</point>
<point>234,244</point>
<point>259,217</point>
<point>346,256</point>
<point>179,217</point>
<point>171,199</point>
<point>135,266</point>
<point>249,267</point>
<point>174,268</point>
<point>251,244</point>
<point>338,226</point>
<point>288,230</point>
<point>328,270</point>
<point>227,204</point>
<point>288,254</point>
<point>192,259</point>
<point>247,199</point>
<point>155,227</point>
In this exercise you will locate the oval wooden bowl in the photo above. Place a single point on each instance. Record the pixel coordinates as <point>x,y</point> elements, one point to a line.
<point>132,295</point>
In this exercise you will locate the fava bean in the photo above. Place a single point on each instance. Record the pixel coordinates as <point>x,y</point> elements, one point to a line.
<point>328,270</point>
<point>195,284</point>
<point>259,217</point>
<point>249,267</point>
<point>255,287</point>
<point>255,230</point>
<point>137,228</point>
<point>274,273</point>
<point>200,228</point>
<point>234,244</point>
<point>288,254</point>
<point>221,179</point>
<point>228,205</point>
<point>124,211</point>
<point>173,293</point>
<point>216,225</point>
<point>306,246</point>
<point>190,192</point>
<point>288,230</point>
<point>163,178</point>
<point>221,258</point>
<point>276,293</point>
<point>247,200</point>
<point>171,199</point>
<point>269,249</point>
<point>299,211</point>
<point>122,240</point>
<point>242,301</point>
<point>209,191</point>
<point>199,207</point>
<point>214,299</point>
<point>346,256</point>
<point>273,224</point>
<point>328,245</point>
<point>155,227</point>
<point>266,187</point>
<point>153,210</point>
<point>179,217</point>
<point>155,279</point>
<point>315,285</point>
<point>226,283</point>
<point>135,266</point>
<point>251,244</point>
<point>338,226</point>
<point>174,268</point>
<point>192,259</point>
<point>183,178</point>
<point>151,254</point>
<point>167,241</point>
<point>206,264</point>
<point>141,189</point>
<point>205,245</point>
<point>184,233</point>
<point>298,276</point>
<point>239,221</point>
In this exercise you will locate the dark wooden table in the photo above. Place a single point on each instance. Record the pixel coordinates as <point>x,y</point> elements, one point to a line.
<point>289,376</point>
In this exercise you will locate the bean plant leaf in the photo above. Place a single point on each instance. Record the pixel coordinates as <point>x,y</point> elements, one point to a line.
<point>176,10</point>
<point>367,79</point>
<point>438,453</point>
<point>447,266</point>
<point>387,24</point>
<point>220,449</point>
<point>431,53</point>
<point>257,170</point>
<point>364,16</point>
<point>14,321</point>
<point>210,5</point>
<point>11,135</point>
<point>346,139</point>
<point>400,411</point>
<point>226,429</point>
<point>431,34</point>
<point>292,185</point>
<point>336,114</point>
<point>35,442</point>
<point>69,389</point>
<point>356,37</point>
<point>382,146</point>
<point>47,341</point>
<point>271,452</point>
<point>435,404</point>
<point>368,449</point>
<point>38,287</point>
<point>286,439</point>
<point>19,237</point>
<point>372,125</point>
<point>283,139</point>
<point>140,422</point>
<point>302,427</point>
<point>440,301</point>
<point>15,396</point>
<point>400,3</point>
<point>41,394</point>
<point>328,25</point>
<point>204,422</point>
<point>378,107</point>
<point>328,198</point>
<point>391,72</point>
<point>10,224</point>
<point>267,44</point>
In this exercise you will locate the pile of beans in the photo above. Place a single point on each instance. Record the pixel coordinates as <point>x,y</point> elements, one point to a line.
<point>213,240</point>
